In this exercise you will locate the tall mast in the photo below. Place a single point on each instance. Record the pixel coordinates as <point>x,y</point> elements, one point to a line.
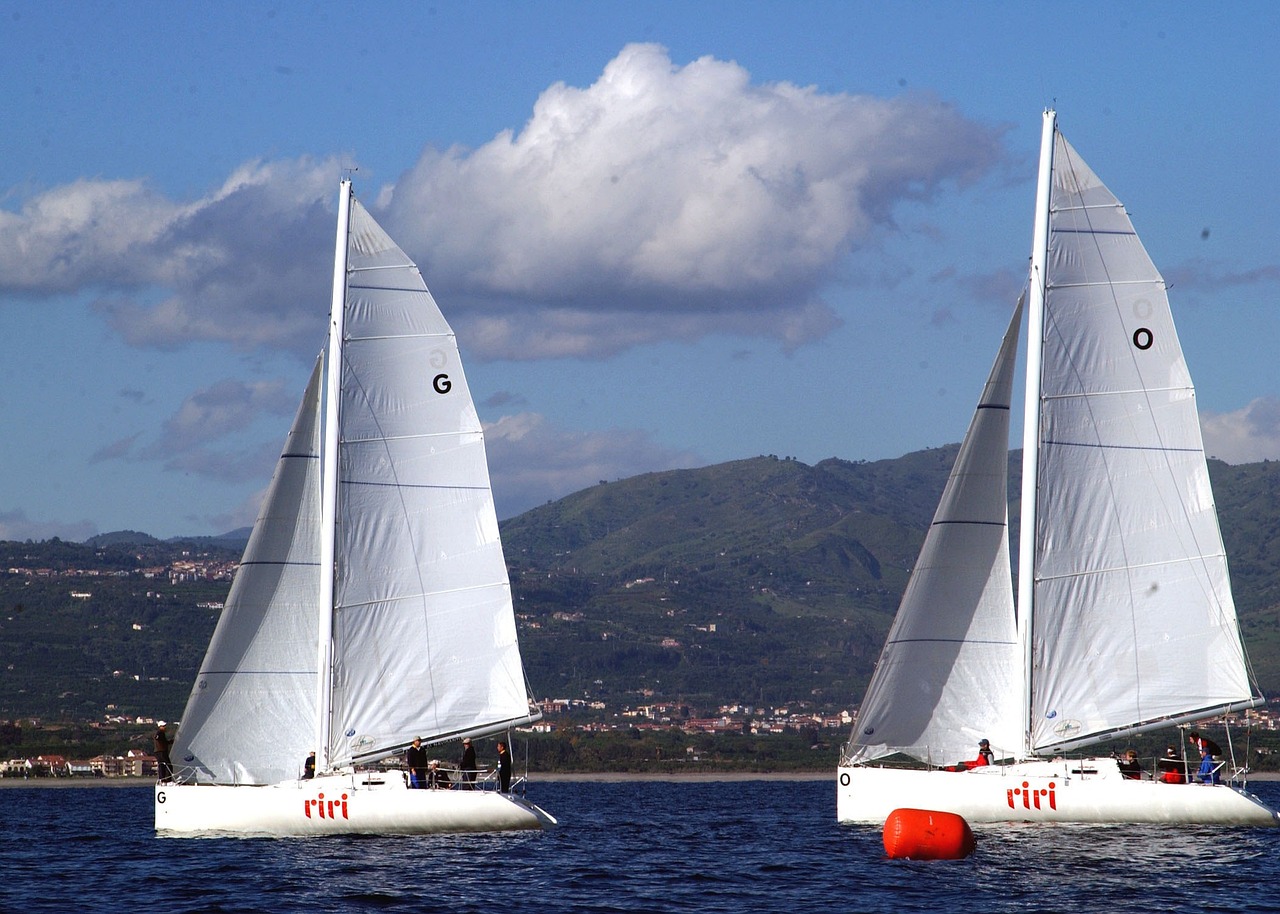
<point>1031,416</point>
<point>329,481</point>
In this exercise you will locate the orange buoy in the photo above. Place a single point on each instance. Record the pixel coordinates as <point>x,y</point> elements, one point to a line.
<point>925,834</point>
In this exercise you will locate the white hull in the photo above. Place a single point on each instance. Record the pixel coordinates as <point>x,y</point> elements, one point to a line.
<point>346,804</point>
<point>1076,790</point>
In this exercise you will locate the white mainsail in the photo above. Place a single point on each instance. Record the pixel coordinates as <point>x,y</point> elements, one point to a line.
<point>424,632</point>
<point>421,631</point>
<point>949,672</point>
<point>1133,618</point>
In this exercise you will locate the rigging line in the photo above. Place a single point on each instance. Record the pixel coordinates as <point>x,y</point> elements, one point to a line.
<point>1099,446</point>
<point>1084,206</point>
<point>417,486</point>
<point>1092,231</point>
<point>236,672</point>
<point>432,335</point>
<point>375,267</point>
<point>422,437</point>
<point>280,564</point>
<point>950,641</point>
<point>1122,282</point>
<point>972,523</point>
<point>408,290</point>
<point>1113,569</point>
<point>1103,394</point>
<point>404,598</point>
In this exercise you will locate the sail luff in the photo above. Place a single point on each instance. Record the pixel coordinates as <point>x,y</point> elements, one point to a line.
<point>1037,286</point>
<point>329,482</point>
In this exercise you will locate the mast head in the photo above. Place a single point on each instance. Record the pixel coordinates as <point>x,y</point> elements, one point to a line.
<point>347,172</point>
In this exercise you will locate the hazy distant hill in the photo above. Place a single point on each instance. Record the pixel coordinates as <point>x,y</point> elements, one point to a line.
<point>801,567</point>
<point>762,581</point>
<point>235,539</point>
<point>122,538</point>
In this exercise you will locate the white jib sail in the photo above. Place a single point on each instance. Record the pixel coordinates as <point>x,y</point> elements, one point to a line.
<point>1133,615</point>
<point>949,673</point>
<point>424,633</point>
<point>250,718</point>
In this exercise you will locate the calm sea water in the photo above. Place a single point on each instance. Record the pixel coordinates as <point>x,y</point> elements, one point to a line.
<point>740,847</point>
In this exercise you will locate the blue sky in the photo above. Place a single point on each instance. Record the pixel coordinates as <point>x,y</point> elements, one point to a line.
<point>666,234</point>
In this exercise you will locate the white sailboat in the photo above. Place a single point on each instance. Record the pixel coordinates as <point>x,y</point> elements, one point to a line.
<point>372,605</point>
<point>1125,620</point>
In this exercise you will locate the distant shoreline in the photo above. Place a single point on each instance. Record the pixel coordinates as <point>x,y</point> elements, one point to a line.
<point>598,777</point>
<point>588,777</point>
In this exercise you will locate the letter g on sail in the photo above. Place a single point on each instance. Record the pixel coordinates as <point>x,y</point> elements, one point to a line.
<point>442,384</point>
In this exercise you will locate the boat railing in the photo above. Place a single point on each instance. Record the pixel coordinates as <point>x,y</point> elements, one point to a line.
<point>484,778</point>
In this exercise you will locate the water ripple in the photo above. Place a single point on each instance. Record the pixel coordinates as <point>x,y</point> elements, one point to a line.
<point>630,848</point>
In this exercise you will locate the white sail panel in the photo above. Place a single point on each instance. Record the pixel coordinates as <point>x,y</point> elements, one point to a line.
<point>949,672</point>
<point>1134,619</point>
<point>424,630</point>
<point>250,718</point>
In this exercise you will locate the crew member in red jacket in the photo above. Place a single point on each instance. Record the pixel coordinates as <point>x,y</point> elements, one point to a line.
<point>984,758</point>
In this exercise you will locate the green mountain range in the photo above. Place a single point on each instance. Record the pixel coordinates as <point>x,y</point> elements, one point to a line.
<point>757,582</point>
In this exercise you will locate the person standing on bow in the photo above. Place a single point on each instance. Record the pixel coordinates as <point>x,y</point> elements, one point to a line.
<point>163,743</point>
<point>504,768</point>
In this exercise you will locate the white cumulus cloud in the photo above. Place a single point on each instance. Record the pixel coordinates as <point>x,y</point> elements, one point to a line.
<point>662,202</point>
<point>1247,435</point>
<point>671,202</point>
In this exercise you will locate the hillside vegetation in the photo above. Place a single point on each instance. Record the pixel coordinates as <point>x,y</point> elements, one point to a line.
<point>763,581</point>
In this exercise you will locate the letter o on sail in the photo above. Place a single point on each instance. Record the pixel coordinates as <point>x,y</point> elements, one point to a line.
<point>1143,338</point>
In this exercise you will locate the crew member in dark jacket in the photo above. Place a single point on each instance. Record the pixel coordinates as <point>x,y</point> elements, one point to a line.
<point>1204,745</point>
<point>467,765</point>
<point>504,768</point>
<point>164,764</point>
<point>1130,767</point>
<point>415,759</point>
